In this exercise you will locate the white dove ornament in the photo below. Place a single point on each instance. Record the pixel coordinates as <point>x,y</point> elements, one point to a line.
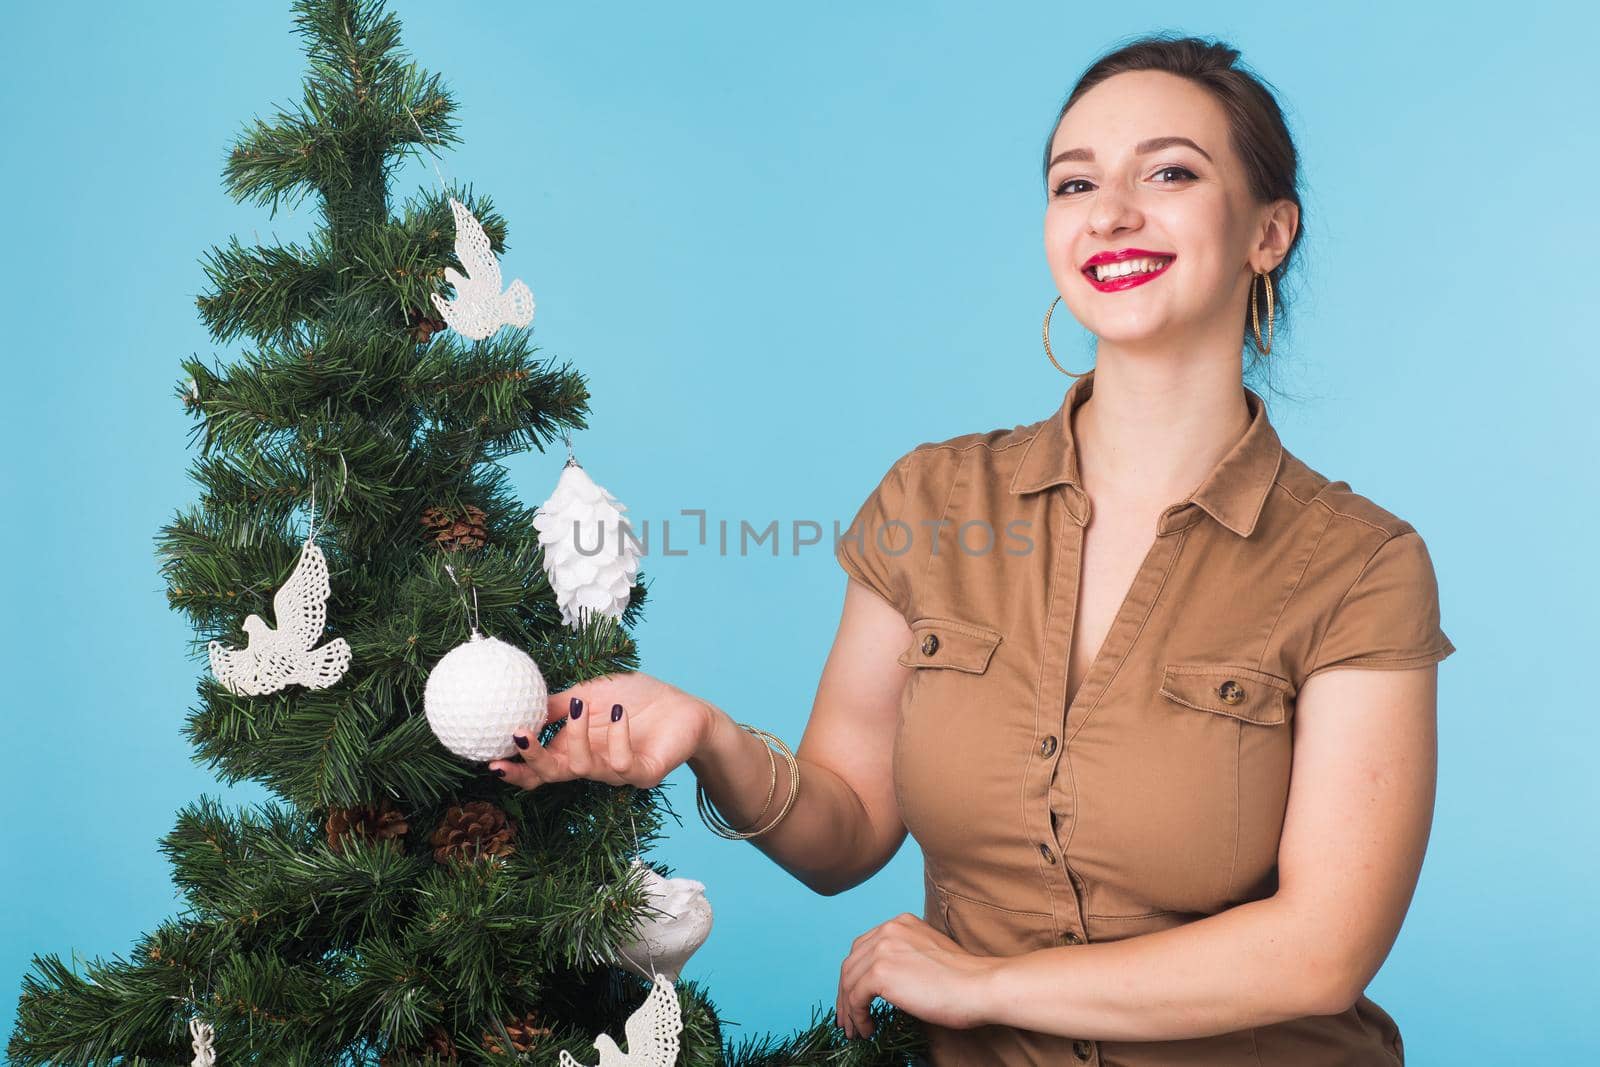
<point>202,1042</point>
<point>274,658</point>
<point>480,308</point>
<point>652,1033</point>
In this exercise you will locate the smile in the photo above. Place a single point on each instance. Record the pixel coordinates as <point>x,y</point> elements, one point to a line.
<point>1113,273</point>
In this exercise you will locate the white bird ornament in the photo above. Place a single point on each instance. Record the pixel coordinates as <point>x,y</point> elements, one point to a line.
<point>480,308</point>
<point>652,1032</point>
<point>274,658</point>
<point>202,1036</point>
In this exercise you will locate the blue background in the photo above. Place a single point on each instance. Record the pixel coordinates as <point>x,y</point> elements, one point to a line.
<point>785,247</point>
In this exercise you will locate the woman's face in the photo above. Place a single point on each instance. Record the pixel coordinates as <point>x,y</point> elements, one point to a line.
<point>1123,176</point>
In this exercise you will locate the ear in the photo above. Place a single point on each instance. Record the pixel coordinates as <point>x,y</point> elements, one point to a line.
<point>1279,223</point>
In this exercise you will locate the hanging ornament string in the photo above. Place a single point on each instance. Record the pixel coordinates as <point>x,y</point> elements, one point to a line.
<point>472,612</point>
<point>638,858</point>
<point>423,140</point>
<point>311,480</point>
<point>202,1031</point>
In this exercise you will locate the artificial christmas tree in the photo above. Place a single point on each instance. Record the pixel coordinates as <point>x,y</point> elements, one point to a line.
<point>394,903</point>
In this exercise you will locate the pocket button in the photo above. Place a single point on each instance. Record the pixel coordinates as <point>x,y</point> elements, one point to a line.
<point>1231,692</point>
<point>1082,1049</point>
<point>930,644</point>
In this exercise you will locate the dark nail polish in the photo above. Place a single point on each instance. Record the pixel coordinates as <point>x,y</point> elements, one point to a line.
<point>499,772</point>
<point>616,712</point>
<point>522,742</point>
<point>575,709</point>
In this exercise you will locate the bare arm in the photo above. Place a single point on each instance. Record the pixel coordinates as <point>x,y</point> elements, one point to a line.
<point>845,823</point>
<point>1357,825</point>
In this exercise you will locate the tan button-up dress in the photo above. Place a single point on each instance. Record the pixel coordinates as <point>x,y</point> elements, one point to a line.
<point>1157,797</point>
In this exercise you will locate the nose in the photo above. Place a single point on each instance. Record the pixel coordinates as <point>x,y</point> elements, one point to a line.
<point>1112,212</point>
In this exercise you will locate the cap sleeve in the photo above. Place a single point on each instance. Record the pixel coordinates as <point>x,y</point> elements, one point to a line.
<point>875,549</point>
<point>1390,616</point>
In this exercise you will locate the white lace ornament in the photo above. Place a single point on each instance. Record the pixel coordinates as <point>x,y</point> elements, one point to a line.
<point>480,693</point>
<point>274,658</point>
<point>480,308</point>
<point>204,1054</point>
<point>652,1033</point>
<point>590,554</point>
<point>664,943</point>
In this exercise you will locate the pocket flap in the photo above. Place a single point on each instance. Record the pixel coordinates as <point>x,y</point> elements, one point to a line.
<point>962,646</point>
<point>1238,692</point>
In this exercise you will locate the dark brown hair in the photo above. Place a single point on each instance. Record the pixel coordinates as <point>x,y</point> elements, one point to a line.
<point>1256,127</point>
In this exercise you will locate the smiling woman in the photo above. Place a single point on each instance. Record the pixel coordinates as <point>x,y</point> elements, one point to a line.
<point>1172,768</point>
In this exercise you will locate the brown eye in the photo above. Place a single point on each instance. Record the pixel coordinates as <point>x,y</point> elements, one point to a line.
<point>1061,190</point>
<point>1188,175</point>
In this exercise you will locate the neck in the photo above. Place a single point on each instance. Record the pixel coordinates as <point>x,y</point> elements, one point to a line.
<point>1152,430</point>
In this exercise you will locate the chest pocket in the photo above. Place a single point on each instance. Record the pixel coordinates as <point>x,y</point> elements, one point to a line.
<point>951,644</point>
<point>945,769</point>
<point>1237,692</point>
<point>1234,724</point>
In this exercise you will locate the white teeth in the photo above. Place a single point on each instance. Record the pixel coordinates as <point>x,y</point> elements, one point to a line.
<point>1107,271</point>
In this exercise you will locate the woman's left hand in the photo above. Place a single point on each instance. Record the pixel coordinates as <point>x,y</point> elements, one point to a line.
<point>916,968</point>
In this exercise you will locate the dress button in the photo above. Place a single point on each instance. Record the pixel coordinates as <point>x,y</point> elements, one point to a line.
<point>1071,937</point>
<point>930,644</point>
<point>1044,850</point>
<point>1230,691</point>
<point>1047,747</point>
<point>1082,1049</point>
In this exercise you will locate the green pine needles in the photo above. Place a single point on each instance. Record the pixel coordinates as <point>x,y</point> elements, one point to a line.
<point>339,924</point>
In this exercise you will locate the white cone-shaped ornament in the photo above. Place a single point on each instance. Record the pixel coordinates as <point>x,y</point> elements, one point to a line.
<point>667,941</point>
<point>480,693</point>
<point>590,554</point>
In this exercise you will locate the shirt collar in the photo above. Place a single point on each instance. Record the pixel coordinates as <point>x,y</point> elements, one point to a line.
<point>1233,493</point>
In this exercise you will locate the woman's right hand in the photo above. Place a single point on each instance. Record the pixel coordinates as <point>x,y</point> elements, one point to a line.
<point>658,728</point>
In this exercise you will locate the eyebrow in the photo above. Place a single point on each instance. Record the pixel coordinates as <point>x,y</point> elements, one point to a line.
<point>1154,144</point>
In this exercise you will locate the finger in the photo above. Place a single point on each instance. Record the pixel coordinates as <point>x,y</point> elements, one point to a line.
<point>521,775</point>
<point>858,999</point>
<point>849,972</point>
<point>619,747</point>
<point>545,765</point>
<point>559,705</point>
<point>602,724</point>
<point>849,976</point>
<point>580,748</point>
<point>855,988</point>
<point>840,1015</point>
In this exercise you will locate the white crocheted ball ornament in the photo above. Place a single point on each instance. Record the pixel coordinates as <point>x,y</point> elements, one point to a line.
<point>480,693</point>
<point>665,942</point>
<point>590,553</point>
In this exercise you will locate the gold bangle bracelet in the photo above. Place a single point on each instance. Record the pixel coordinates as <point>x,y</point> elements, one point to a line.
<point>720,826</point>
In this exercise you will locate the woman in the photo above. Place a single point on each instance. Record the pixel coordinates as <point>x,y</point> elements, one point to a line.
<point>1156,699</point>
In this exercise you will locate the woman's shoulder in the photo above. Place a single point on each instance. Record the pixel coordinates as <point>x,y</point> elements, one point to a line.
<point>988,450</point>
<point>1335,502</point>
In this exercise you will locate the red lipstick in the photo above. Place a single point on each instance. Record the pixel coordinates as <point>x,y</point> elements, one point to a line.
<point>1127,281</point>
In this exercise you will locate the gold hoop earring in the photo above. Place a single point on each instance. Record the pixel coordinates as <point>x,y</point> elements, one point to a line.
<point>1047,351</point>
<point>1256,321</point>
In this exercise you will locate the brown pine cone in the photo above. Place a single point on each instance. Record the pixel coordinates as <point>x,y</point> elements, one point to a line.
<point>376,823</point>
<point>472,831</point>
<point>422,325</point>
<point>454,532</point>
<point>438,1044</point>
<point>524,1033</point>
